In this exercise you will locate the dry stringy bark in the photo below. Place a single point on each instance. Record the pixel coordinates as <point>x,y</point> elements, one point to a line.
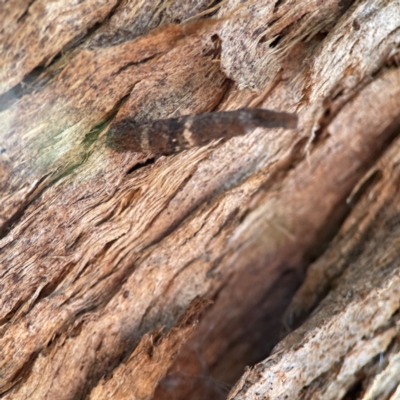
<point>168,136</point>
<point>99,255</point>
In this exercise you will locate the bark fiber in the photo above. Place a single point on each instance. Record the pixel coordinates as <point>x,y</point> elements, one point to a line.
<point>127,275</point>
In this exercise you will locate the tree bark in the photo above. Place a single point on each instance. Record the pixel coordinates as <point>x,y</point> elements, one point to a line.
<point>127,275</point>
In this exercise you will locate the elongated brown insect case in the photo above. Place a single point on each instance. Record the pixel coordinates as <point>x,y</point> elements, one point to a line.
<point>168,136</point>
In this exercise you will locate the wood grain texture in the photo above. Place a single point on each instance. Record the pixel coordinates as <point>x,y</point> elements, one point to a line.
<point>350,326</point>
<point>34,32</point>
<point>109,260</point>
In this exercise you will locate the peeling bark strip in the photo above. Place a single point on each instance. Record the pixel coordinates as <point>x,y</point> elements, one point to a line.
<point>168,136</point>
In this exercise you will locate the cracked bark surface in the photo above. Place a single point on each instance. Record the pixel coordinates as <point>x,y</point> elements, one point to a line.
<point>133,276</point>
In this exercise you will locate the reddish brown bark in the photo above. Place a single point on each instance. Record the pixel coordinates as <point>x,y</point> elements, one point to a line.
<point>131,275</point>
